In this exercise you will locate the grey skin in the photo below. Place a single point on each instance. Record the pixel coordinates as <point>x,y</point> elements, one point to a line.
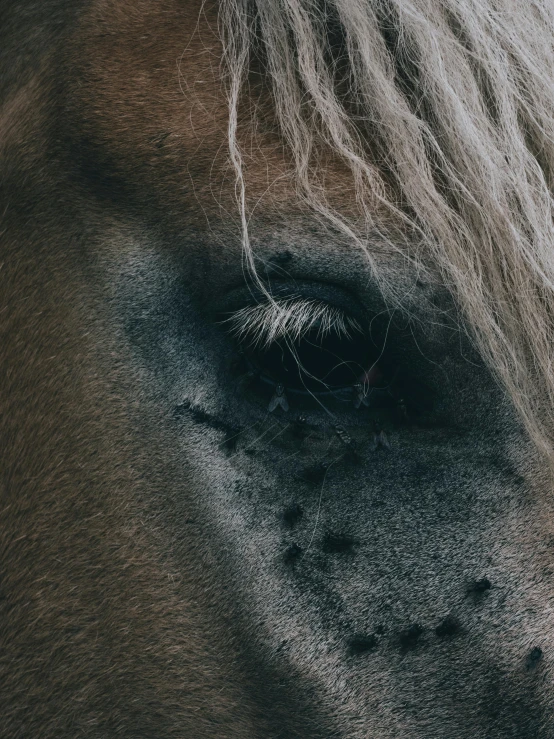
<point>180,562</point>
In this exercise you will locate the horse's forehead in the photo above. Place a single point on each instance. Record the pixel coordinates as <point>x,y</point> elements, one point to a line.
<point>147,86</point>
<point>150,78</point>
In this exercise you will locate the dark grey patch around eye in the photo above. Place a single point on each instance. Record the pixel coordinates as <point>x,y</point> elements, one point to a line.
<point>314,474</point>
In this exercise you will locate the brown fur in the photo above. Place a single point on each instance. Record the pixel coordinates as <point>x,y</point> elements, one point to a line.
<point>102,635</point>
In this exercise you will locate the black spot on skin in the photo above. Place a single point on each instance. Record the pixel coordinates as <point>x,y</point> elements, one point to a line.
<point>292,553</point>
<point>480,586</point>
<point>449,626</point>
<point>352,456</point>
<point>360,643</point>
<point>314,474</point>
<point>380,629</point>
<point>292,514</point>
<point>250,451</point>
<point>410,636</point>
<point>230,444</point>
<point>534,656</point>
<point>338,543</point>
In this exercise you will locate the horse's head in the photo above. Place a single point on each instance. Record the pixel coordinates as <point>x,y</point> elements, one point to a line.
<point>276,316</point>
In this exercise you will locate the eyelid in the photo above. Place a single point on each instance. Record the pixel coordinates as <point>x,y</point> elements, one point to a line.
<point>325,292</point>
<point>291,318</point>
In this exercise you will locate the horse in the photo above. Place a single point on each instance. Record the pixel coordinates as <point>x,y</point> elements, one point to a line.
<point>276,302</point>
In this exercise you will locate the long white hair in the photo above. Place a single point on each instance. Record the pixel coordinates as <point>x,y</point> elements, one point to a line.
<point>443,111</point>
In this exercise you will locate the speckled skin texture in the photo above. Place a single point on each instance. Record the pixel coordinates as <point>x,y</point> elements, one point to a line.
<point>177,562</point>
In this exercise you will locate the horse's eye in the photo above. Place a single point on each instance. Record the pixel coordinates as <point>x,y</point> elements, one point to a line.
<point>307,346</point>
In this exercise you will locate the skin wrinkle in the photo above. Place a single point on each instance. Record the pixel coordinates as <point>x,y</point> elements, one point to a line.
<point>151,586</point>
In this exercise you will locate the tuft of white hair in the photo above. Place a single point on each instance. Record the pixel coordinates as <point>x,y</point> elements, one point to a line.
<point>443,111</point>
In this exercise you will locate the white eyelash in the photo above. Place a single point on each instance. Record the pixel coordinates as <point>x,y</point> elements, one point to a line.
<point>290,319</point>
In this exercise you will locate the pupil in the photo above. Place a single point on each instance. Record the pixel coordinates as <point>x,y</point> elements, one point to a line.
<point>317,363</point>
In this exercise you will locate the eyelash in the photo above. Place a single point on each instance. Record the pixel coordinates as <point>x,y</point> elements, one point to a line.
<point>316,356</point>
<point>261,325</point>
